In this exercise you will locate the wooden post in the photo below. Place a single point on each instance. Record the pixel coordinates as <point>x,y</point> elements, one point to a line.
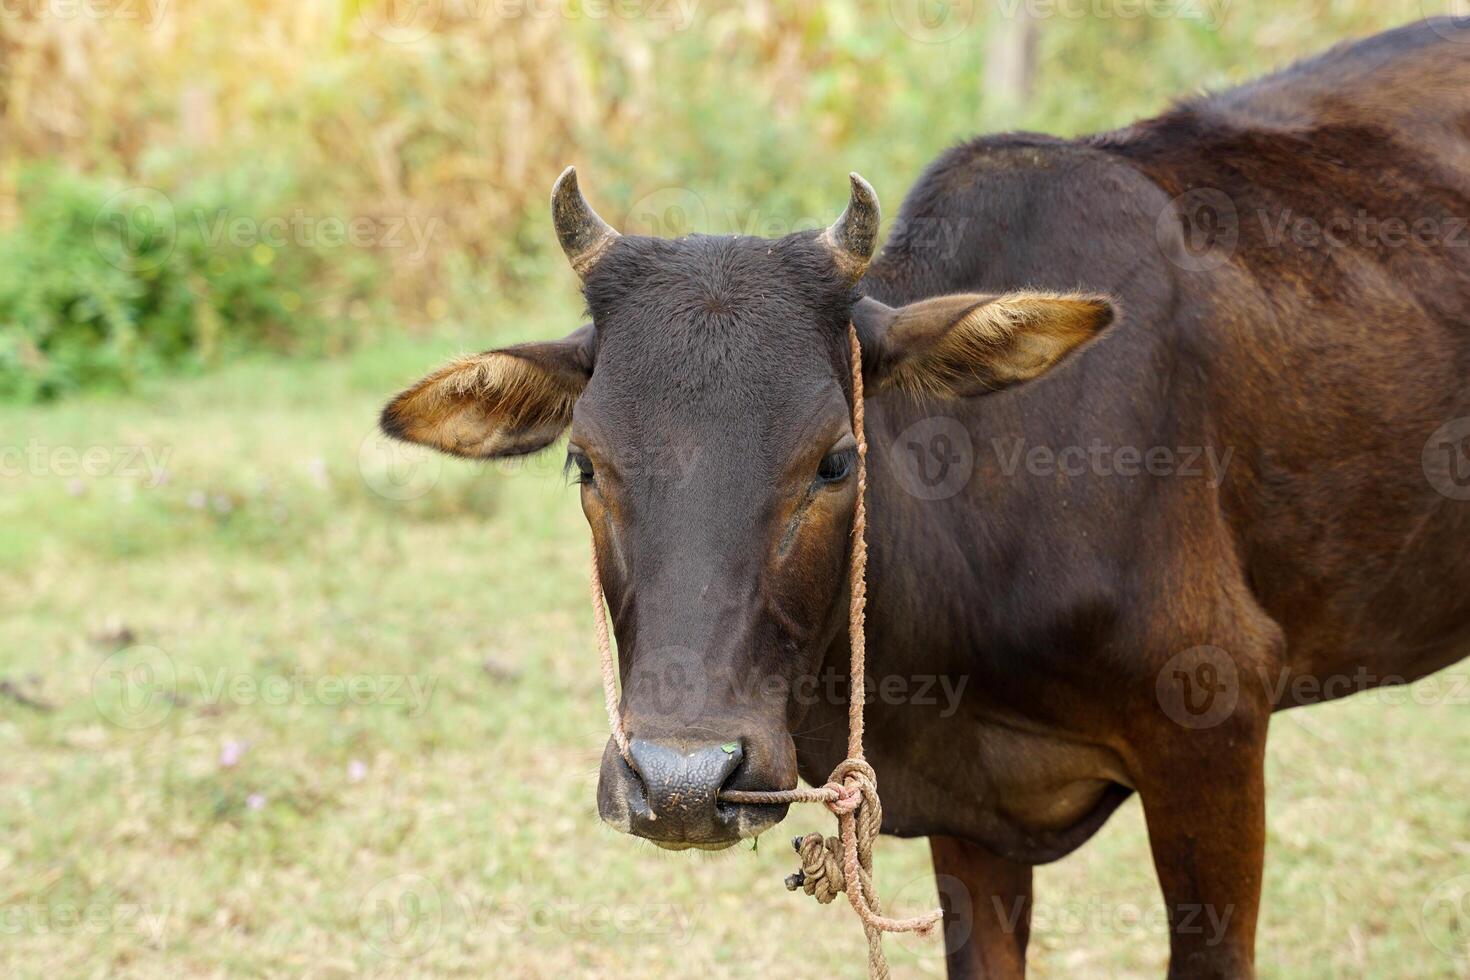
<point>1010,64</point>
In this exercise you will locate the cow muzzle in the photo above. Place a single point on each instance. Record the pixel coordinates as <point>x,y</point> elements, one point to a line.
<point>670,793</point>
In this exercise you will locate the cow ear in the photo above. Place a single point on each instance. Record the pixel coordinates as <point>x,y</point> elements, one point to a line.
<point>969,344</point>
<point>500,403</point>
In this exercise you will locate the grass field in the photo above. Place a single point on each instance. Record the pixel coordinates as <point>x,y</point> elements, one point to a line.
<point>280,706</point>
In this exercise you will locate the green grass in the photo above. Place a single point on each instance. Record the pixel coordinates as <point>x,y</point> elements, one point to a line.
<point>449,829</point>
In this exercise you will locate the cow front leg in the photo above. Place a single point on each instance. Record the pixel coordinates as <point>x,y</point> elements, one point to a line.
<point>987,910</point>
<point>1204,798</point>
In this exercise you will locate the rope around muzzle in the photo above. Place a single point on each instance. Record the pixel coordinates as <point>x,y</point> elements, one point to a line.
<point>833,864</point>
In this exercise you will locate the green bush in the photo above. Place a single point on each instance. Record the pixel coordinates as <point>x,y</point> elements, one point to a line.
<point>103,283</point>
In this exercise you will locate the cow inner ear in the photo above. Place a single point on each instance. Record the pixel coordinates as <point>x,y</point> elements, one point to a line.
<point>969,343</point>
<point>497,404</point>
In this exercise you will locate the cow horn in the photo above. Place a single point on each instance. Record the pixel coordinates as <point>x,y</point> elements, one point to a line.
<point>854,234</point>
<point>583,235</point>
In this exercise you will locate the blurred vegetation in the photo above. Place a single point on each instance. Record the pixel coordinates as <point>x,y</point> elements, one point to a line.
<point>95,297</point>
<point>179,181</point>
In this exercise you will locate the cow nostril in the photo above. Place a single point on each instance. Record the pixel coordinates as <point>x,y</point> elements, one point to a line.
<point>734,753</point>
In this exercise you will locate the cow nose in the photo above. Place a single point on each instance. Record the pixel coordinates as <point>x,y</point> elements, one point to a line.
<point>681,784</point>
<point>668,789</point>
<point>670,792</point>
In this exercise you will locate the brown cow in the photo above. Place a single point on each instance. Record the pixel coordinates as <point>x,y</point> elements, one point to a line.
<point>1241,485</point>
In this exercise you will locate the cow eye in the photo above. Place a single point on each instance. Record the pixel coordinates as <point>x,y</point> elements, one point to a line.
<point>580,465</point>
<point>836,466</point>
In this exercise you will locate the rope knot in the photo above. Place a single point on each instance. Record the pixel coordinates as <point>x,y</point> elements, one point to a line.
<point>821,867</point>
<point>854,783</point>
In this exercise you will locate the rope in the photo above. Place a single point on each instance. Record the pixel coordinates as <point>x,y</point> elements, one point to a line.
<point>828,865</point>
<point>609,671</point>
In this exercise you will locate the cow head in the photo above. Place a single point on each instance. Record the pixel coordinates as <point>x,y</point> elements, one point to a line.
<point>709,407</point>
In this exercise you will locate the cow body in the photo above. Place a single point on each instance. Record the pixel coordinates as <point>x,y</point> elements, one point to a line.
<point>1305,378</point>
<point>1167,432</point>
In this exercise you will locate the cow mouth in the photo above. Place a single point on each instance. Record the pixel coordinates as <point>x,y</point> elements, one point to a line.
<point>733,824</point>
<point>677,846</point>
<point>748,821</point>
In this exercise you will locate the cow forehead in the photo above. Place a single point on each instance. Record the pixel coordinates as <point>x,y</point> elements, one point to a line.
<point>755,404</point>
<point>716,288</point>
<point>705,330</point>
